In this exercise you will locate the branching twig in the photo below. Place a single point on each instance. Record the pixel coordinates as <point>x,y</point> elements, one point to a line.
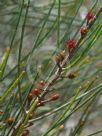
<point>60,68</point>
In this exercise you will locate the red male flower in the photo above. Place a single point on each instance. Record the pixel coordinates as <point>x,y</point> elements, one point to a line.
<point>90,16</point>
<point>71,43</point>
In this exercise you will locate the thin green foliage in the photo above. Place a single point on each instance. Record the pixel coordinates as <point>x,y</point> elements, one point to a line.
<point>47,71</point>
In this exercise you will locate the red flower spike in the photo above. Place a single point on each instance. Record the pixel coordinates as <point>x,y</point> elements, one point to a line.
<point>83,30</point>
<point>90,16</point>
<point>55,97</point>
<point>36,92</point>
<point>25,133</point>
<point>71,43</point>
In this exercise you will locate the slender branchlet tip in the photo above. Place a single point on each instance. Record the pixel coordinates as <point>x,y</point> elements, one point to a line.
<point>84,30</point>
<point>55,97</point>
<point>97,76</point>
<point>23,72</point>
<point>9,120</point>
<point>25,132</point>
<point>80,87</point>
<point>71,43</point>
<point>8,49</point>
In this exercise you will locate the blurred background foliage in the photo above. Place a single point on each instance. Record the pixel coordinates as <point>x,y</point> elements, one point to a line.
<point>42,31</point>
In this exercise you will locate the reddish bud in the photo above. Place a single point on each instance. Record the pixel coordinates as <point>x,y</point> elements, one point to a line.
<point>83,30</point>
<point>25,133</point>
<point>9,121</point>
<point>1,112</point>
<point>71,76</point>
<point>42,83</point>
<point>36,92</point>
<point>90,16</point>
<point>71,43</point>
<point>55,97</point>
<point>30,96</point>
